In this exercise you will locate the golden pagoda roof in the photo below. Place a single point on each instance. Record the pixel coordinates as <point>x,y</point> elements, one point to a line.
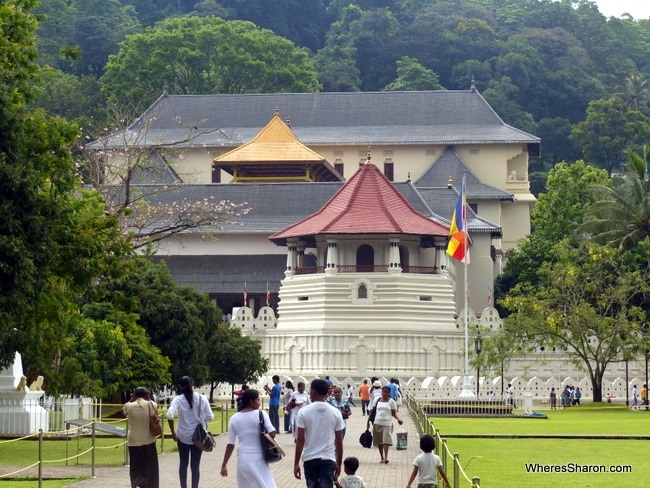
<point>276,154</point>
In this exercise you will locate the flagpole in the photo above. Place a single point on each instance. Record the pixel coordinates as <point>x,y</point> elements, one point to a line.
<point>467,390</point>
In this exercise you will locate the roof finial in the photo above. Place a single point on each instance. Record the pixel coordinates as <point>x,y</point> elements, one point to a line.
<point>450,183</point>
<point>408,176</point>
<point>289,123</point>
<point>473,84</point>
<point>368,157</point>
<point>277,110</point>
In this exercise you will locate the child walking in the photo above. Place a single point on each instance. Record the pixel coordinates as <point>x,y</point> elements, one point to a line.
<point>351,480</point>
<point>428,465</point>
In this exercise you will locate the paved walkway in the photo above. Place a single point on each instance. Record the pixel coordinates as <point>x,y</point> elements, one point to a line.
<point>376,475</point>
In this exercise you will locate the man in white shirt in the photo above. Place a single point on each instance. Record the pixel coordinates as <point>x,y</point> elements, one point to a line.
<point>319,439</point>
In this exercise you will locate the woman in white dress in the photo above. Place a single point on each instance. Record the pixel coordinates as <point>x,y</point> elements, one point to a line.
<point>298,400</point>
<point>252,470</point>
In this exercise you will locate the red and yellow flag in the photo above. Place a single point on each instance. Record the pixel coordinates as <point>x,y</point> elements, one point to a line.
<point>458,247</point>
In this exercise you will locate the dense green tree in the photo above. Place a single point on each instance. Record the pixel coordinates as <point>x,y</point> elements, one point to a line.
<point>76,98</point>
<point>194,55</point>
<point>373,36</point>
<point>502,96</point>
<point>178,319</point>
<point>336,69</point>
<point>95,27</point>
<point>621,215</point>
<point>635,92</point>
<point>304,22</point>
<point>234,358</point>
<point>44,261</point>
<point>412,76</point>
<point>554,133</point>
<point>140,364</point>
<point>558,212</point>
<point>585,304</point>
<point>609,129</point>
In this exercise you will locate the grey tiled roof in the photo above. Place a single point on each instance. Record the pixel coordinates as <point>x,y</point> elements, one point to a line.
<point>450,164</point>
<point>155,169</point>
<point>228,273</point>
<point>444,200</point>
<point>368,118</point>
<point>275,206</point>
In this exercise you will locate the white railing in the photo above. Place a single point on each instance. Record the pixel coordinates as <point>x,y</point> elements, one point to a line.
<point>28,416</point>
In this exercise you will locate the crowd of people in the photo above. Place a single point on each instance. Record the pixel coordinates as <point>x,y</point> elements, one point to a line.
<point>317,420</point>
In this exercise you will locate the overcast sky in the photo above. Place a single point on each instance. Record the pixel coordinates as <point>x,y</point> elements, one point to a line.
<point>639,9</point>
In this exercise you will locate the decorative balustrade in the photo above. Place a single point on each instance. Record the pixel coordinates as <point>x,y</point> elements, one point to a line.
<point>367,268</point>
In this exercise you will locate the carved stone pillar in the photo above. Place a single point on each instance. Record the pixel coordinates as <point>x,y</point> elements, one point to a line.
<point>394,261</point>
<point>332,256</point>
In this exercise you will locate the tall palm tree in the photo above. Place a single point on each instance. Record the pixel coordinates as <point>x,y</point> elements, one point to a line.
<point>636,92</point>
<point>621,216</point>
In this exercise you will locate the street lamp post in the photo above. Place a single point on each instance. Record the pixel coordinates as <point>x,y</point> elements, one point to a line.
<point>647,394</point>
<point>627,385</point>
<point>477,348</point>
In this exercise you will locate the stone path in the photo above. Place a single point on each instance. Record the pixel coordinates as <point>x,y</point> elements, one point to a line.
<point>394,474</point>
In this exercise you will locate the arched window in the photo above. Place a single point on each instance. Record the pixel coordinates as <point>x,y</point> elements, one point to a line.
<point>365,258</point>
<point>362,291</point>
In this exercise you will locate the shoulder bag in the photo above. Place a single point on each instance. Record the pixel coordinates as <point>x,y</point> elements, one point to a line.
<point>155,425</point>
<point>373,412</point>
<point>202,439</point>
<point>270,448</point>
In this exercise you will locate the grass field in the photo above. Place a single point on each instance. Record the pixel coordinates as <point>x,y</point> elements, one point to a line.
<point>503,462</point>
<point>31,483</point>
<point>109,450</point>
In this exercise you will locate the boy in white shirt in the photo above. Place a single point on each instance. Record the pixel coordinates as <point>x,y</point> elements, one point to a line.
<point>428,465</point>
<point>351,480</point>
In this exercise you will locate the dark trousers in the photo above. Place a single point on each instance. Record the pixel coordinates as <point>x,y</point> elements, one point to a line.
<point>351,402</point>
<point>319,473</point>
<point>364,406</point>
<point>185,451</point>
<point>287,418</point>
<point>274,415</point>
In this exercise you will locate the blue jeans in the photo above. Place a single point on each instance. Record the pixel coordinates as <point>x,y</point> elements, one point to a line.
<point>274,416</point>
<point>184,451</point>
<point>364,406</point>
<point>319,473</point>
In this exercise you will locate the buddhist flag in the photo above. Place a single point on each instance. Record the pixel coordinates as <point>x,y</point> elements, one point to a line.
<point>268,295</point>
<point>245,296</point>
<point>458,247</point>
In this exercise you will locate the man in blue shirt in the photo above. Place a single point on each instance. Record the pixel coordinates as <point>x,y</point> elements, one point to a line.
<point>392,386</point>
<point>274,401</point>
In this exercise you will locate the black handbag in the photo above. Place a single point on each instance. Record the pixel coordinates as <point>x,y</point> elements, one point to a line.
<point>201,438</point>
<point>271,450</point>
<point>365,439</point>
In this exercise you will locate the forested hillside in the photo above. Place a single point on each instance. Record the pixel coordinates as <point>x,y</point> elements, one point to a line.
<point>557,69</point>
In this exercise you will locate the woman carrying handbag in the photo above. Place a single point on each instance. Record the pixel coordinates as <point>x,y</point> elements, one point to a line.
<point>252,469</point>
<point>143,466</point>
<point>191,409</point>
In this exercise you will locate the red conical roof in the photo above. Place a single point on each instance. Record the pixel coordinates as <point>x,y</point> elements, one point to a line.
<point>367,204</point>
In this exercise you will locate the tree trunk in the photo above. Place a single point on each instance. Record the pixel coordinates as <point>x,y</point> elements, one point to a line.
<point>597,383</point>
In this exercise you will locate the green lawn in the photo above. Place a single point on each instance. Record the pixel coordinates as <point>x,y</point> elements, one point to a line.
<point>29,483</point>
<point>587,419</point>
<point>502,462</point>
<point>109,452</point>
